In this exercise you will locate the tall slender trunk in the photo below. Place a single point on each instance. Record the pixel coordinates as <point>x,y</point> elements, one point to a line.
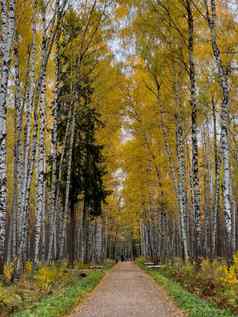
<point>29,110</point>
<point>30,154</point>
<point>193,93</point>
<point>68,181</point>
<point>27,160</point>
<point>23,218</point>
<point>53,201</point>
<point>181,191</point>
<point>98,239</point>
<point>59,205</point>
<point>181,185</point>
<point>72,236</point>
<point>190,229</point>
<point>40,195</point>
<point>224,139</point>
<point>12,241</point>
<point>7,30</point>
<point>216,199</point>
<point>208,190</point>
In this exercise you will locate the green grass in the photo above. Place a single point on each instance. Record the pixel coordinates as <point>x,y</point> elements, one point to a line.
<point>190,303</point>
<point>59,304</point>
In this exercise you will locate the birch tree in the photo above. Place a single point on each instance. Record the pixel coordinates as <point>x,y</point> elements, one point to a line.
<point>193,101</point>
<point>181,179</point>
<point>224,115</point>
<point>8,31</point>
<point>14,221</point>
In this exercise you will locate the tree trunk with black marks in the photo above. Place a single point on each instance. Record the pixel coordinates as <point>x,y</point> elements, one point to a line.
<point>14,221</point>
<point>53,196</point>
<point>7,30</point>
<point>224,115</point>
<point>181,186</point>
<point>193,101</point>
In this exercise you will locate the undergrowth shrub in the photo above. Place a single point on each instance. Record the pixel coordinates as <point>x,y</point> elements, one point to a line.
<point>33,284</point>
<point>48,275</point>
<point>214,280</point>
<point>81,266</point>
<point>28,267</point>
<point>9,299</point>
<point>45,277</point>
<point>209,277</point>
<point>8,271</point>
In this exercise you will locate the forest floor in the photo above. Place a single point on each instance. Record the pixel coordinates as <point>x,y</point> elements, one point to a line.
<point>50,290</point>
<point>127,291</point>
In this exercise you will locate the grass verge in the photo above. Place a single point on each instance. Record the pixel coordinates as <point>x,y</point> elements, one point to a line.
<point>189,303</point>
<point>59,304</point>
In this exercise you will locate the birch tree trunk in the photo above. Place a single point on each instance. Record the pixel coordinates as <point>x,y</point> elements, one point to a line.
<point>216,199</point>
<point>40,195</point>
<point>224,140</point>
<point>26,163</point>
<point>193,93</point>
<point>53,200</point>
<point>190,231</point>
<point>14,225</point>
<point>181,186</point>
<point>208,189</point>
<point>29,161</point>
<point>8,30</point>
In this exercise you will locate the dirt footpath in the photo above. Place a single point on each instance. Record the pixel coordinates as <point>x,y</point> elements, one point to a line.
<point>127,291</point>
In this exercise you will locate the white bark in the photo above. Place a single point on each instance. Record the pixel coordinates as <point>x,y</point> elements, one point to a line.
<point>27,160</point>
<point>216,199</point>
<point>224,140</point>
<point>53,201</point>
<point>208,189</point>
<point>181,186</point>
<point>8,30</point>
<point>12,241</point>
<point>40,195</point>
<point>193,93</point>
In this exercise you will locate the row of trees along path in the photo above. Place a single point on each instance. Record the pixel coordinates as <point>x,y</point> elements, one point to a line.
<point>118,131</point>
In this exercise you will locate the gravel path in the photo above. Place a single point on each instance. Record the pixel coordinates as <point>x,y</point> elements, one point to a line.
<point>127,291</point>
